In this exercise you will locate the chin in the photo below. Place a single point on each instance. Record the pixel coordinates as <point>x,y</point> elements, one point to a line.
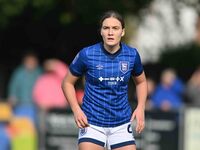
<point>111,44</point>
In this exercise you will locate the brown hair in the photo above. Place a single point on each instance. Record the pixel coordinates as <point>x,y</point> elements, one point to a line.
<point>114,14</point>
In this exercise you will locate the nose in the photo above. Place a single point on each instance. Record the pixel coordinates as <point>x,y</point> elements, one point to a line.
<point>110,32</point>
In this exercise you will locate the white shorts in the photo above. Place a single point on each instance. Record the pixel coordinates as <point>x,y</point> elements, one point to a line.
<point>111,138</point>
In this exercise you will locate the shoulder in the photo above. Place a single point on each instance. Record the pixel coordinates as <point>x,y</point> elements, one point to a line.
<point>19,70</point>
<point>18,73</point>
<point>89,50</point>
<point>130,49</point>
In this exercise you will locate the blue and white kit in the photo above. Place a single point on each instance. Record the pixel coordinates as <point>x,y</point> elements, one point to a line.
<point>105,100</point>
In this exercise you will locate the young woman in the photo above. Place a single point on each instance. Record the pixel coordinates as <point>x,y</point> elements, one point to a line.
<point>105,116</point>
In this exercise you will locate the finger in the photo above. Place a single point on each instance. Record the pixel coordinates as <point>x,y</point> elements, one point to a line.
<point>78,124</point>
<point>85,122</point>
<point>82,123</point>
<point>133,117</point>
<point>137,129</point>
<point>140,127</point>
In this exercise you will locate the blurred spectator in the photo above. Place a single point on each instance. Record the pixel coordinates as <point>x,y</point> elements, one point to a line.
<point>48,94</point>
<point>169,92</point>
<point>150,91</point>
<point>192,91</point>
<point>23,79</point>
<point>21,87</point>
<point>47,91</point>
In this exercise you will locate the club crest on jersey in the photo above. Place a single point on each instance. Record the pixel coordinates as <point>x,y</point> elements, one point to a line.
<point>83,131</point>
<point>124,66</point>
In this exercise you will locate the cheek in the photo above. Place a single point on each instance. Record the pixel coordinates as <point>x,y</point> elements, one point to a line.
<point>119,36</point>
<point>102,34</point>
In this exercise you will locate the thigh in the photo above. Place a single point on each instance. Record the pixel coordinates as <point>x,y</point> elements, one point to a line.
<point>89,146</point>
<point>93,137</point>
<point>128,147</point>
<point>122,138</point>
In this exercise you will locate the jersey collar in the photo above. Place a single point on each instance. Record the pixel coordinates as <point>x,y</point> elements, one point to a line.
<point>110,54</point>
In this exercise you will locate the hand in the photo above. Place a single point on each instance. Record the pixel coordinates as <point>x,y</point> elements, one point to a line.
<point>80,119</point>
<point>165,106</point>
<point>139,115</point>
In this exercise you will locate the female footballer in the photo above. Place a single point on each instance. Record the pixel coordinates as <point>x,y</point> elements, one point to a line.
<point>104,119</point>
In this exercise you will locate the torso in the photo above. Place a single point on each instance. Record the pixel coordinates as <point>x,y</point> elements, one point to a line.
<point>105,101</point>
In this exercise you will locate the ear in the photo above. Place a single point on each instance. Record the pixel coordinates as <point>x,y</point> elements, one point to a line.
<point>123,32</point>
<point>100,32</point>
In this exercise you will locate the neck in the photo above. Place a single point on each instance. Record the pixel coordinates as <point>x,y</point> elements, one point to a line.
<point>112,49</point>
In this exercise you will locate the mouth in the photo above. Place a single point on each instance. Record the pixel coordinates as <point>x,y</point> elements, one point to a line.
<point>110,39</point>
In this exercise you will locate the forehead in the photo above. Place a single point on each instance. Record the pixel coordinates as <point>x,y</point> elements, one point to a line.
<point>111,22</point>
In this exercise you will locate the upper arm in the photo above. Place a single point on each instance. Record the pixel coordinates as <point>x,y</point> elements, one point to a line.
<point>138,67</point>
<point>139,79</point>
<point>79,65</point>
<point>70,78</point>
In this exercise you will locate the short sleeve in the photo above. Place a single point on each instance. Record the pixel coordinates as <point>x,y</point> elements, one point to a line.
<point>138,67</point>
<point>78,65</point>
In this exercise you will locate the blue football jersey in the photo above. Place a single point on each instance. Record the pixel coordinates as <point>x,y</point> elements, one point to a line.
<point>105,101</point>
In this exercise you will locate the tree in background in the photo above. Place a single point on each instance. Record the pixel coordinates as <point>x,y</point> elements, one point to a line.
<point>65,11</point>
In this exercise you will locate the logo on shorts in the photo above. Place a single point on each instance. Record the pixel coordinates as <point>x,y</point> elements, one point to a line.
<point>83,131</point>
<point>129,129</point>
<point>124,66</point>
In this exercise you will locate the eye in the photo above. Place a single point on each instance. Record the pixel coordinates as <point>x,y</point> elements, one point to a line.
<point>105,27</point>
<point>116,28</point>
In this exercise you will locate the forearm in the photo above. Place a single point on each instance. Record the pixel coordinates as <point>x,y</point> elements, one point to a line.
<point>141,91</point>
<point>70,94</point>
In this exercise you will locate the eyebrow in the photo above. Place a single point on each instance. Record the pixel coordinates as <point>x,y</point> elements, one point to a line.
<point>111,26</point>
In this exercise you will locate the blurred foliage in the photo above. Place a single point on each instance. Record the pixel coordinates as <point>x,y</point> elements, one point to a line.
<point>9,9</point>
<point>88,11</point>
<point>65,11</point>
<point>184,58</point>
